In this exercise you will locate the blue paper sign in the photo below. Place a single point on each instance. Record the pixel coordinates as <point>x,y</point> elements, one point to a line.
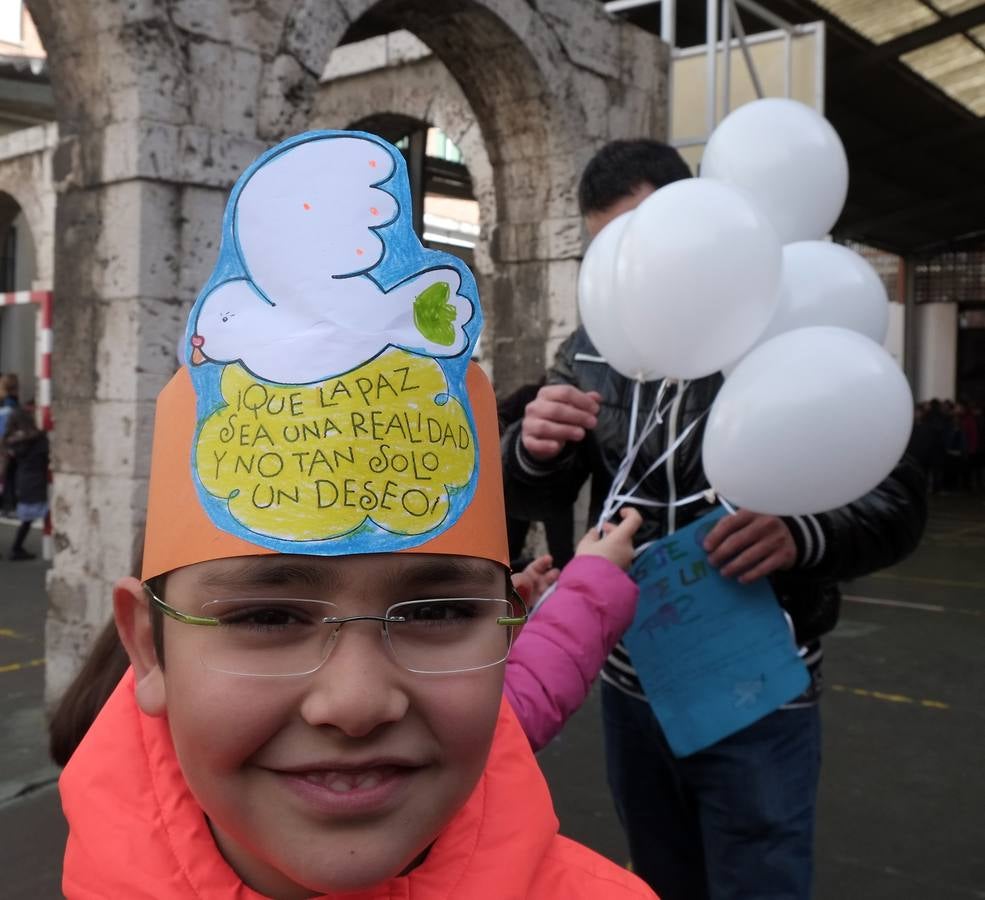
<point>713,655</point>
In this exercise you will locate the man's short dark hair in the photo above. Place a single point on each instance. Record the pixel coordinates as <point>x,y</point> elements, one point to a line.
<point>620,167</point>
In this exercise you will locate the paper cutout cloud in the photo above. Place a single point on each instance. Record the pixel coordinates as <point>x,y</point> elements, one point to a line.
<point>384,444</point>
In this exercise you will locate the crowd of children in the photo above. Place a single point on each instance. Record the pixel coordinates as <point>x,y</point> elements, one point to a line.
<point>949,438</point>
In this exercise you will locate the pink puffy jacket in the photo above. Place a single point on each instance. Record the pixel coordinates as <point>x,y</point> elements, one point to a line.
<point>562,648</point>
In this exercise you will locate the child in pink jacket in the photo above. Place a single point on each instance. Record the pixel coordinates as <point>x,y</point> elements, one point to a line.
<point>561,649</point>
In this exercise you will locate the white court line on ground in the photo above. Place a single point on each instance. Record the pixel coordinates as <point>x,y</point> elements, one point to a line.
<point>902,604</point>
<point>875,601</point>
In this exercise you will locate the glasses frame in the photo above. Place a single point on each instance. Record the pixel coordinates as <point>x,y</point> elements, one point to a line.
<point>212,621</point>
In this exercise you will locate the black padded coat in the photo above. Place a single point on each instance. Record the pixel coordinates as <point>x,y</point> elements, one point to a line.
<point>873,532</point>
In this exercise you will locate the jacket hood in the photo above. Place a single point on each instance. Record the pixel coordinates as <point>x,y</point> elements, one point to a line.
<point>137,832</point>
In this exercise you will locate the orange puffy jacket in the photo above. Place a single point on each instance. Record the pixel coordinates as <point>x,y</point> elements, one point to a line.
<point>136,832</point>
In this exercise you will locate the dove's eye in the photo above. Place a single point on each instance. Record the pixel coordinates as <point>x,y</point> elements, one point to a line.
<point>225,318</point>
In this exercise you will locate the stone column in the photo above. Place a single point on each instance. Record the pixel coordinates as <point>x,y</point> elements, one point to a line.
<point>155,122</point>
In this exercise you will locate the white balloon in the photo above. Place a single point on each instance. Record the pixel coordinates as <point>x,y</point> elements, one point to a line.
<point>790,160</point>
<point>826,284</point>
<point>596,293</point>
<point>809,421</point>
<point>697,272</point>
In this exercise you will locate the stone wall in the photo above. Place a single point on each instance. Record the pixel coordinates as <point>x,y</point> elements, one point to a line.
<point>161,103</point>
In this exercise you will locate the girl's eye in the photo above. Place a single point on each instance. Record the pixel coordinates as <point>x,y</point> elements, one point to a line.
<point>442,611</point>
<point>263,618</point>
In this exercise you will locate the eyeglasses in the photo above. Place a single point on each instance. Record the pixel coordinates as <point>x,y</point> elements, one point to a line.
<point>280,637</point>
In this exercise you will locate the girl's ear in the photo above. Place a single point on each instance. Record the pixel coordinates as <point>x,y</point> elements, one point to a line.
<point>133,622</point>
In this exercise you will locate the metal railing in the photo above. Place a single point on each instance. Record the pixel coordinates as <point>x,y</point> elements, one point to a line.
<point>724,33</point>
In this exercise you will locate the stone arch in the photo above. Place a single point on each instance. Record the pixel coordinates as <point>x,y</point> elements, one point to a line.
<point>545,91</point>
<point>12,209</point>
<point>161,105</point>
<point>386,101</point>
<point>25,175</point>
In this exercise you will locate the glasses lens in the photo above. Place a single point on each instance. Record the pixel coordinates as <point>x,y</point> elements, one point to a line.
<point>449,635</point>
<point>267,637</point>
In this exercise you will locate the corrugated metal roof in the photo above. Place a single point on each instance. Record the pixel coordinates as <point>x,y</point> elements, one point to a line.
<point>953,7</point>
<point>881,20</point>
<point>955,64</point>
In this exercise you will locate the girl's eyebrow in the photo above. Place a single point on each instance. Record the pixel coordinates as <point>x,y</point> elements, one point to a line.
<point>443,569</point>
<point>249,573</point>
<point>271,572</point>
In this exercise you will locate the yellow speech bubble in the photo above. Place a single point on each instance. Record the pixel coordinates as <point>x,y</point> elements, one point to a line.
<point>315,462</point>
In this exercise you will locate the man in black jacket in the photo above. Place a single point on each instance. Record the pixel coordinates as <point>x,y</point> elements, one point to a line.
<point>734,820</point>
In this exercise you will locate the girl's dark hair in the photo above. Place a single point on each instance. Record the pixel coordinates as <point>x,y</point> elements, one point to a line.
<point>100,674</point>
<point>97,679</point>
<point>86,695</point>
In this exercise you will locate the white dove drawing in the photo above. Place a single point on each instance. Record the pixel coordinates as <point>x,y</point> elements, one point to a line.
<point>305,229</point>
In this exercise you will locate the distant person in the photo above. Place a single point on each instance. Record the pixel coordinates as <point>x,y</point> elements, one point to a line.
<point>9,399</point>
<point>978,457</point>
<point>27,445</point>
<point>922,438</point>
<point>967,423</point>
<point>9,402</point>
<point>938,424</point>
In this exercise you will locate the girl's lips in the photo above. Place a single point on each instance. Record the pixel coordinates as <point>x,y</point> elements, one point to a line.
<point>350,791</point>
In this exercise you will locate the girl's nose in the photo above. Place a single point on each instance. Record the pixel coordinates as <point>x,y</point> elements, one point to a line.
<point>359,687</point>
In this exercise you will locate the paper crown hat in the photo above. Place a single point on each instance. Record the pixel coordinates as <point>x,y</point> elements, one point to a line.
<point>327,404</point>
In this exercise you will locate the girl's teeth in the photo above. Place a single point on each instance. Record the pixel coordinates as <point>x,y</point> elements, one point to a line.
<point>369,780</point>
<point>342,783</point>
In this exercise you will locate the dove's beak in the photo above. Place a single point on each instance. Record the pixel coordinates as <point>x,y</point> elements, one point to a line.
<point>197,357</point>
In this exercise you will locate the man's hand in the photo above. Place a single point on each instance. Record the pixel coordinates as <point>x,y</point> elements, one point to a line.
<point>558,414</point>
<point>535,579</point>
<point>748,546</point>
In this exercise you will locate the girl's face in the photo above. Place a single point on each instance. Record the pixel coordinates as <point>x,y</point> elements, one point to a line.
<point>340,779</point>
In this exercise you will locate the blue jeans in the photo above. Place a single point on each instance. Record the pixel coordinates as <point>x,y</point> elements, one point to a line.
<point>732,822</point>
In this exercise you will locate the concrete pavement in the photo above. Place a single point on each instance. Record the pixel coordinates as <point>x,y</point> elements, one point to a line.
<point>902,807</point>
<point>32,831</point>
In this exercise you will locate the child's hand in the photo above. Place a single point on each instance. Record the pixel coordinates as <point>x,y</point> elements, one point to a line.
<point>616,544</point>
<point>535,579</point>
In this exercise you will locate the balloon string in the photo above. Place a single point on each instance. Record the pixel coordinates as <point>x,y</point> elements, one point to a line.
<point>634,443</point>
<point>634,409</point>
<point>640,501</point>
<point>618,500</point>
